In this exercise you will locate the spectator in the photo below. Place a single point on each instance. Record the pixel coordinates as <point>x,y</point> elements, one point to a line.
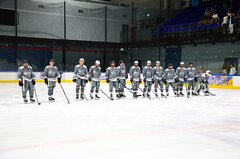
<point>225,25</point>
<point>230,22</point>
<point>206,13</point>
<point>232,70</point>
<point>238,69</point>
<point>224,69</point>
<point>215,18</point>
<point>237,19</point>
<point>209,17</point>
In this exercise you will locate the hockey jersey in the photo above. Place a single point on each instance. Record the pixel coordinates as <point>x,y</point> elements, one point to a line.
<point>51,73</point>
<point>181,73</point>
<point>169,75</point>
<point>80,72</point>
<point>135,73</point>
<point>25,73</point>
<point>112,73</point>
<point>147,73</point>
<point>191,73</point>
<point>158,72</point>
<point>95,73</point>
<point>122,72</point>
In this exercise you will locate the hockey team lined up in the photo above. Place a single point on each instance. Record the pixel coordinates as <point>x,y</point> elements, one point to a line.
<point>157,76</point>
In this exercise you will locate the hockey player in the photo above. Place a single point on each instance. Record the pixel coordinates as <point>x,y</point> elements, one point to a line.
<point>147,79</point>
<point>95,76</point>
<point>204,82</point>
<point>50,74</point>
<point>192,77</point>
<point>169,78</point>
<point>26,80</point>
<point>158,73</point>
<point>181,73</point>
<point>123,75</point>
<point>197,88</point>
<point>135,78</point>
<point>112,77</point>
<point>80,77</point>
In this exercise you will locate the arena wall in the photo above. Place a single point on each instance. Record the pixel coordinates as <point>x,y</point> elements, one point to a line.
<point>216,81</point>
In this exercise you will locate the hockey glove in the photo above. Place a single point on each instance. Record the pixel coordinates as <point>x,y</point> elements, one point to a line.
<point>107,80</point>
<point>46,81</point>
<point>196,79</point>
<point>140,81</point>
<point>33,82</point>
<point>153,80</point>
<point>144,80</point>
<point>74,80</point>
<point>131,79</point>
<point>20,83</point>
<point>59,80</point>
<point>164,81</point>
<point>126,75</point>
<point>176,80</point>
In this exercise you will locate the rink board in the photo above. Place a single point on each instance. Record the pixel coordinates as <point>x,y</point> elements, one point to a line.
<point>216,81</point>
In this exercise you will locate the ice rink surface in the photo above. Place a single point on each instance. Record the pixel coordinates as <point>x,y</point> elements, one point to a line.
<point>173,128</point>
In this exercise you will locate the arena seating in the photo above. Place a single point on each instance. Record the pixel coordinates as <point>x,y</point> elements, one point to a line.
<point>188,19</point>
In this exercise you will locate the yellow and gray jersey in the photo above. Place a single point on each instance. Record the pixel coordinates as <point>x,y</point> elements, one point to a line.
<point>191,73</point>
<point>51,73</point>
<point>25,73</point>
<point>158,72</point>
<point>95,73</point>
<point>135,73</point>
<point>181,73</point>
<point>122,72</point>
<point>169,75</point>
<point>147,73</point>
<point>80,72</point>
<point>112,73</point>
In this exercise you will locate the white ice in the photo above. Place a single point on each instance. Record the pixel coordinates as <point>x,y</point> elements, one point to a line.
<point>173,128</point>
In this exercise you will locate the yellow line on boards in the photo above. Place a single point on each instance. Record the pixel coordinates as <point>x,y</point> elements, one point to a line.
<point>103,81</point>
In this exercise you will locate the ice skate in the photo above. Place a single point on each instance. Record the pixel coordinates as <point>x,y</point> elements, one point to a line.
<point>32,100</point>
<point>25,100</point>
<point>51,99</point>
<point>91,96</point>
<point>96,96</point>
<point>82,96</point>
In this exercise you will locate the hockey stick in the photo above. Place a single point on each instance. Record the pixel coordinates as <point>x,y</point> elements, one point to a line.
<point>64,93</point>
<point>207,87</point>
<point>102,91</point>
<point>176,86</point>
<point>143,92</point>
<point>209,93</point>
<point>161,91</point>
<point>105,94</point>
<point>212,94</point>
<point>155,94</point>
<point>62,87</point>
<point>36,95</point>
<point>187,90</point>
<point>23,89</point>
<point>85,97</point>
<point>131,89</point>
<point>125,86</point>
